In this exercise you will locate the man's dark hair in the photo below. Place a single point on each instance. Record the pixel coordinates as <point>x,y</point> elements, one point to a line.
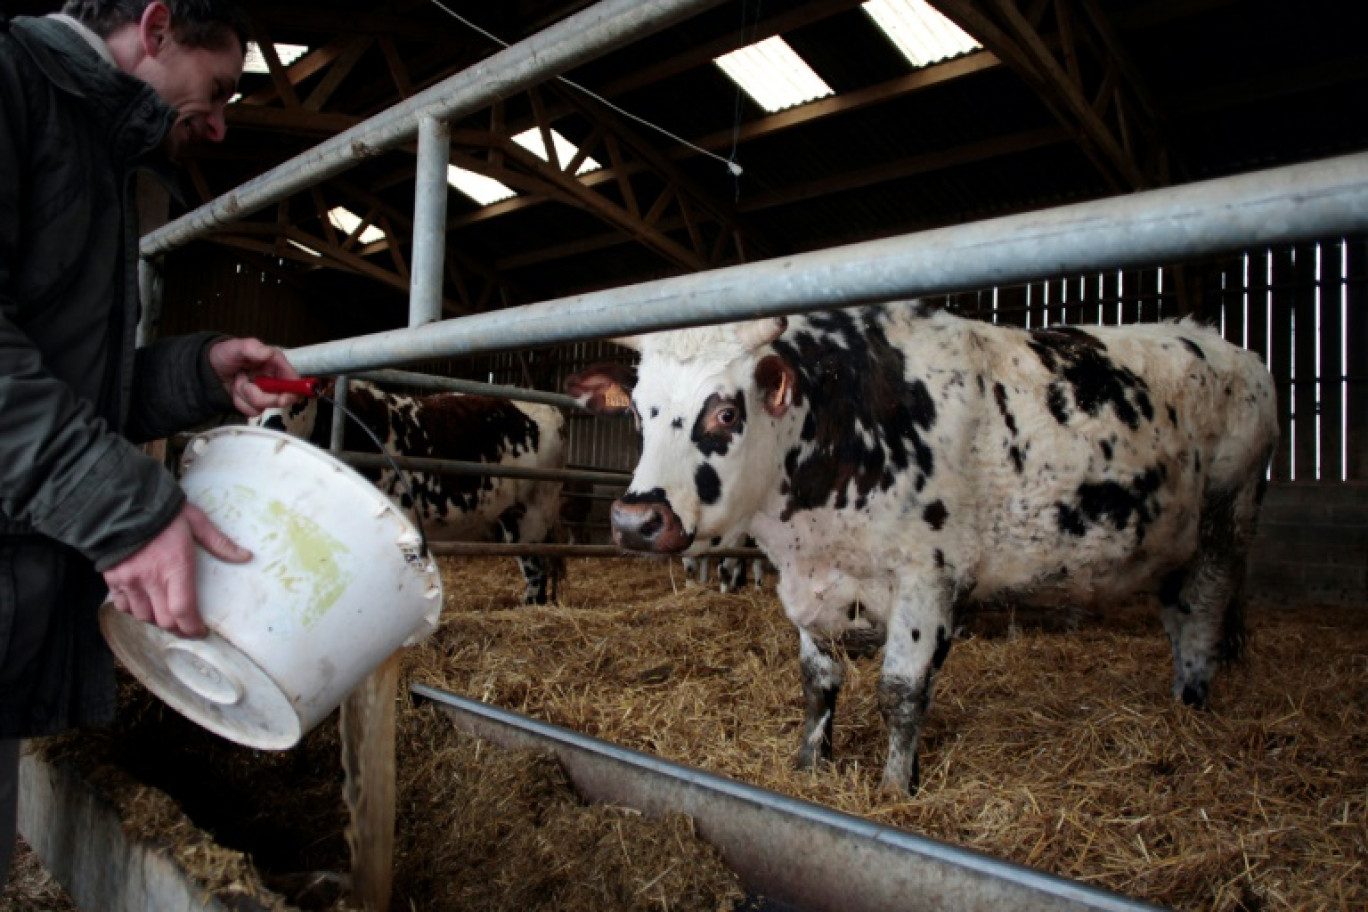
<point>194,23</point>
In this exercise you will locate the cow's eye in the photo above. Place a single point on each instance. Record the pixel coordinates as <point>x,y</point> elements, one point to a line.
<point>726,416</point>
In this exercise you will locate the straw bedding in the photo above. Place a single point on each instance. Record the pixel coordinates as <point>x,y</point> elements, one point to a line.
<point>1058,749</point>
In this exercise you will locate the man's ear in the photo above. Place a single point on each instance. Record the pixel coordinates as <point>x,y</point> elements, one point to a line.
<point>154,29</point>
<point>778,384</point>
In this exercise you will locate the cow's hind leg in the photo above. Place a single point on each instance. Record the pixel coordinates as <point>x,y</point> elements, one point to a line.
<point>823,676</point>
<point>1202,605</point>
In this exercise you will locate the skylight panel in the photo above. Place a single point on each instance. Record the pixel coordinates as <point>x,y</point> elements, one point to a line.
<point>253,62</point>
<point>483,190</point>
<point>773,74</point>
<point>531,140</point>
<point>344,220</point>
<point>922,34</point>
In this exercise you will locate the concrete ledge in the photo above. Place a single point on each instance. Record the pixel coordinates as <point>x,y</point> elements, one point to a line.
<point>78,835</point>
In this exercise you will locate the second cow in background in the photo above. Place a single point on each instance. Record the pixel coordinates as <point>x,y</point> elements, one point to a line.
<point>465,428</point>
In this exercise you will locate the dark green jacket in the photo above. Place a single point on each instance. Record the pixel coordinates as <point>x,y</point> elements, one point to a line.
<point>74,133</point>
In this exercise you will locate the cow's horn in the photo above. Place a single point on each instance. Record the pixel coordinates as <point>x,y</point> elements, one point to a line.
<point>761,332</point>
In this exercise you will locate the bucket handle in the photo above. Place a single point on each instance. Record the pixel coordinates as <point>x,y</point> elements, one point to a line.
<point>312,387</point>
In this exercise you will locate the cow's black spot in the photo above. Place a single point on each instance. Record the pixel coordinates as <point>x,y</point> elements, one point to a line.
<point>1193,347</point>
<point>1173,416</point>
<point>716,540</point>
<point>1106,449</point>
<point>709,485</point>
<point>935,515</point>
<point>1113,504</point>
<point>655,411</point>
<point>939,557</point>
<point>866,423</point>
<point>655,495</point>
<point>1000,396</point>
<point>1080,360</point>
<point>1058,403</point>
<point>916,635</point>
<point>1018,460</point>
<point>677,423</point>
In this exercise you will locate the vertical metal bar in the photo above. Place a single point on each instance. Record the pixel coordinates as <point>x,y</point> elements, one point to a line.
<point>429,221</point>
<point>339,419</point>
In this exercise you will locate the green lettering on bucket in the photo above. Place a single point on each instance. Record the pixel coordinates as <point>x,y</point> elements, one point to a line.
<point>304,559</point>
<point>316,553</point>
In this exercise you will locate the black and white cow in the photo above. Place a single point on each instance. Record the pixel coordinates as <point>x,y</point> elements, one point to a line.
<point>465,428</point>
<point>895,463</point>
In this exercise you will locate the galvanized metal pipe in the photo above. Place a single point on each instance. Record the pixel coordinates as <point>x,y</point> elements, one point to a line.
<point>1280,205</point>
<point>816,858</point>
<point>535,549</point>
<point>452,385</point>
<point>459,467</point>
<point>429,222</point>
<point>574,40</point>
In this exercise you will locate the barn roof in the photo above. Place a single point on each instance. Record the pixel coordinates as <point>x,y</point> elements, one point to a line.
<point>1066,100</point>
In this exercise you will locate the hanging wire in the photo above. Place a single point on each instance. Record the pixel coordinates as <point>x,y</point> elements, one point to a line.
<point>731,163</point>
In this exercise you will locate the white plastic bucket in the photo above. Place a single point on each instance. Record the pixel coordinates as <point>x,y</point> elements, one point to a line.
<point>337,582</point>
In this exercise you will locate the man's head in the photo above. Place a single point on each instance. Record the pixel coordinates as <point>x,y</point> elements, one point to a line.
<point>189,51</point>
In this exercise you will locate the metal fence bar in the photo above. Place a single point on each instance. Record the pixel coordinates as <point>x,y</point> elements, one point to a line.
<point>459,467</point>
<point>1176,223</point>
<point>429,221</point>
<point>453,385</point>
<point>574,40</point>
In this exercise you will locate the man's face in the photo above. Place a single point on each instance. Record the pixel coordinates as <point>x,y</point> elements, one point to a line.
<point>197,82</point>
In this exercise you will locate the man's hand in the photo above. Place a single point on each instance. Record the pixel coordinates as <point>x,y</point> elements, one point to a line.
<point>157,584</point>
<point>237,361</point>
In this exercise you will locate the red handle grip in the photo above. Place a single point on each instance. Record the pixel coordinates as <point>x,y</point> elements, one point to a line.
<point>304,386</point>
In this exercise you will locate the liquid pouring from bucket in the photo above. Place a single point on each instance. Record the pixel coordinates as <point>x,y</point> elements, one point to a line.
<point>312,388</point>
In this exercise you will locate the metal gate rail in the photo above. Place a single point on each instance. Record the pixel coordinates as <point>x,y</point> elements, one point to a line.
<point>782,848</point>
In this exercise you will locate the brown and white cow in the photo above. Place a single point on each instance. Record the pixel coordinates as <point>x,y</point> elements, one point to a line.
<point>459,427</point>
<point>895,463</point>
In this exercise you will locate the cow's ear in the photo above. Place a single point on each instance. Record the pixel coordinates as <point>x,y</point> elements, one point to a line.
<point>604,389</point>
<point>777,383</point>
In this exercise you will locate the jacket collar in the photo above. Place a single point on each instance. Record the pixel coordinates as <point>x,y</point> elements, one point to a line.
<point>135,118</point>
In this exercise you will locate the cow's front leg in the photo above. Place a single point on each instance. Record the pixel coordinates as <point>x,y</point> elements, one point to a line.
<point>918,640</point>
<point>822,679</point>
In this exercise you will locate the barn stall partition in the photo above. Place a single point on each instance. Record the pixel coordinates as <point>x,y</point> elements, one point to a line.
<point>1259,212</point>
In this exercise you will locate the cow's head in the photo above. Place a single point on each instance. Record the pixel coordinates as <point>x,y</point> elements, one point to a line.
<point>708,402</point>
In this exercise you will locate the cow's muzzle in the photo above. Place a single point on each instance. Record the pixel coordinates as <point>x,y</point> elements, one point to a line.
<point>648,526</point>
